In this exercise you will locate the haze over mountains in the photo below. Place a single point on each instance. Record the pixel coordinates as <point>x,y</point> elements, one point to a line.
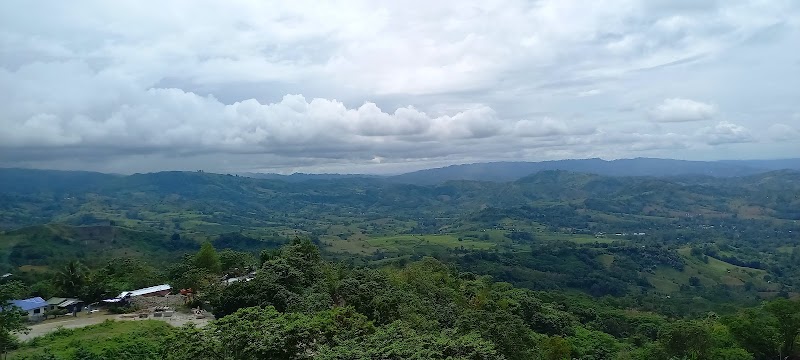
<point>513,170</point>
<point>510,171</point>
<point>507,171</point>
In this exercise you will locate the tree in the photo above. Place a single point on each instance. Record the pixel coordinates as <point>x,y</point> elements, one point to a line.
<point>593,345</point>
<point>788,314</point>
<point>398,341</point>
<point>556,348</point>
<point>12,320</point>
<point>686,338</point>
<point>71,279</point>
<point>757,331</point>
<point>235,262</point>
<point>189,342</point>
<point>701,340</point>
<point>207,258</point>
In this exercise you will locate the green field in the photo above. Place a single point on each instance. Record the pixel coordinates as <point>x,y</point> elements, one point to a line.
<point>108,339</point>
<point>402,244</point>
<point>714,272</point>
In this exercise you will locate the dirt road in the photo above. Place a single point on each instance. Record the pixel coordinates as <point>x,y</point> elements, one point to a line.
<point>69,322</point>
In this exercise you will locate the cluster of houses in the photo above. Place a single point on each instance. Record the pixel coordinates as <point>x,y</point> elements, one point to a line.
<point>602,234</point>
<point>249,276</point>
<point>36,307</point>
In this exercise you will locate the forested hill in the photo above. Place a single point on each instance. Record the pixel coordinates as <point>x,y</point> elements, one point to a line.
<point>29,197</point>
<point>299,306</point>
<point>513,254</point>
<point>510,171</point>
<point>746,221</point>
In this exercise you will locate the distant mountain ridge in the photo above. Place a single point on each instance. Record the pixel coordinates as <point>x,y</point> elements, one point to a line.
<point>506,171</point>
<point>511,171</point>
<point>305,177</point>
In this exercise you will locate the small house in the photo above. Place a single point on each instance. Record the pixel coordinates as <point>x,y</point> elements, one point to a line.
<point>35,307</point>
<point>69,304</point>
<point>53,302</point>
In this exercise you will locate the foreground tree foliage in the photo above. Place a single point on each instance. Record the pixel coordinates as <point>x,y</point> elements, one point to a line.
<point>12,319</point>
<point>302,307</point>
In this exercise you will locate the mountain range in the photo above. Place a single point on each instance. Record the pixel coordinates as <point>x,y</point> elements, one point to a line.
<point>511,171</point>
<point>505,171</point>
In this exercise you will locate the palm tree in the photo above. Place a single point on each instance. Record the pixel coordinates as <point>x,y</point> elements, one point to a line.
<point>71,279</point>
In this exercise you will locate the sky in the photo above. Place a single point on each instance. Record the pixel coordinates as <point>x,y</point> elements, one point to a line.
<point>392,86</point>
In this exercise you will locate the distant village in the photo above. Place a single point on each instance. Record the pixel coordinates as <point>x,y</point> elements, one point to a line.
<point>38,309</point>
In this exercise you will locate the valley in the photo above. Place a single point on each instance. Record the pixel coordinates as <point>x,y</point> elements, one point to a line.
<point>674,248</point>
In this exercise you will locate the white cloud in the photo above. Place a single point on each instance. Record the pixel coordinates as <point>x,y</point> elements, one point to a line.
<point>682,110</point>
<point>431,82</point>
<point>782,132</point>
<point>725,133</point>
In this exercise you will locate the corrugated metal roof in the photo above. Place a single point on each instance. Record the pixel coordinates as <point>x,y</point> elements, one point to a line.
<point>56,300</point>
<point>69,302</point>
<point>146,290</point>
<point>29,304</point>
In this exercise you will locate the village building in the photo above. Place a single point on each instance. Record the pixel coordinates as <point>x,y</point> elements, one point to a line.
<point>35,307</point>
<point>158,290</point>
<point>69,304</point>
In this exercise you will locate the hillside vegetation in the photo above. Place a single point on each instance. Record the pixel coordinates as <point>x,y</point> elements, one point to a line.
<point>302,307</point>
<point>686,254</point>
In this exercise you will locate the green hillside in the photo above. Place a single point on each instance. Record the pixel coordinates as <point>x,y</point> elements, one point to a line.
<point>44,245</point>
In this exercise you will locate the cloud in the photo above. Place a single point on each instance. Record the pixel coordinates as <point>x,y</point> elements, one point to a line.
<point>243,85</point>
<point>547,127</point>
<point>175,119</point>
<point>725,133</point>
<point>782,132</point>
<point>682,110</point>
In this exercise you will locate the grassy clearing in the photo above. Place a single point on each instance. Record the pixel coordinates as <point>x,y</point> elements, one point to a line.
<point>710,274</point>
<point>405,242</point>
<point>576,238</point>
<point>664,284</point>
<point>606,260</point>
<point>107,339</point>
<point>361,244</point>
<point>786,249</point>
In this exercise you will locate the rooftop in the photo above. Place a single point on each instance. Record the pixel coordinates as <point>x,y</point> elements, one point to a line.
<point>144,291</point>
<point>55,300</point>
<point>29,304</point>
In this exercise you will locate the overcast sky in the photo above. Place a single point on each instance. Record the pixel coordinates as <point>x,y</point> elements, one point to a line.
<point>384,87</point>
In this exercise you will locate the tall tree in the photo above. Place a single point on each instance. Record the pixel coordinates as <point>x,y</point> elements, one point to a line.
<point>208,258</point>
<point>71,279</point>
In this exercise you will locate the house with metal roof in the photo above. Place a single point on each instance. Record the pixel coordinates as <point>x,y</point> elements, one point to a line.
<point>158,290</point>
<point>35,307</point>
<point>69,304</point>
<point>53,302</point>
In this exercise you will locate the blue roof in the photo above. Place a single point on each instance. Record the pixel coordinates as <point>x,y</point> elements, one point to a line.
<point>29,304</point>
